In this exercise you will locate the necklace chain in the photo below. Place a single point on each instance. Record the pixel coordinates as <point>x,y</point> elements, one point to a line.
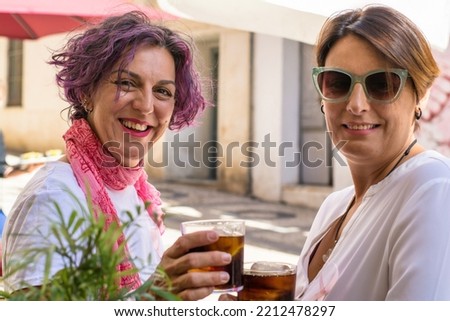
<point>344,216</point>
<point>406,153</point>
<point>338,228</point>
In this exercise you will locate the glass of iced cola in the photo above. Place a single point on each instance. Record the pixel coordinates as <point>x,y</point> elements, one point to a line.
<point>231,240</point>
<point>268,281</point>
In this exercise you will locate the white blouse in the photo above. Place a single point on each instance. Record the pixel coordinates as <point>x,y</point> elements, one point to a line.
<point>396,246</point>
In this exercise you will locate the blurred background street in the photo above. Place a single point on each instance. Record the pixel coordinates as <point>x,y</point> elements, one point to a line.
<point>273,226</point>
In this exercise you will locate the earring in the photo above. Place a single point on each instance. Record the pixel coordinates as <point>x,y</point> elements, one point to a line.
<point>321,109</point>
<point>418,114</point>
<point>86,108</point>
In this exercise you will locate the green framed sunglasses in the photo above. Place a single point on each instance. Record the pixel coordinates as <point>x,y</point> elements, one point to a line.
<point>381,86</point>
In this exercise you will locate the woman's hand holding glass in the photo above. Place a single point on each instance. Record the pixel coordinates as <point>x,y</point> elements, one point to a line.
<point>177,261</point>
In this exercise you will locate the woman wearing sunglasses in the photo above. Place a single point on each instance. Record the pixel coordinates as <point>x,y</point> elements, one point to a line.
<point>387,236</point>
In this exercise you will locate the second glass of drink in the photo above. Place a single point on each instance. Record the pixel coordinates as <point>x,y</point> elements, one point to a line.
<point>231,240</point>
<point>268,281</point>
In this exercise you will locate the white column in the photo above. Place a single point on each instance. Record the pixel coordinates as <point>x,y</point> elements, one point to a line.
<point>234,110</point>
<point>275,115</point>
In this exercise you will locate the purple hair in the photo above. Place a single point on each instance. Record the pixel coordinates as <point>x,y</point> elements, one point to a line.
<point>89,57</point>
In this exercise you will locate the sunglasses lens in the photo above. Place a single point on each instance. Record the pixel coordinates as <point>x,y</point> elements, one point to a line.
<point>383,86</point>
<point>334,84</point>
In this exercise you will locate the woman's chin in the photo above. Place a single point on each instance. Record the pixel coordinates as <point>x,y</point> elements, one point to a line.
<point>132,161</point>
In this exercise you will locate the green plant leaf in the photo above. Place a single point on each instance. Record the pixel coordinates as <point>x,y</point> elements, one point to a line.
<point>90,258</point>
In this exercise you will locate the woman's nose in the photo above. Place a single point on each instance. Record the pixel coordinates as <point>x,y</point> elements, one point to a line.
<point>145,103</point>
<point>357,102</point>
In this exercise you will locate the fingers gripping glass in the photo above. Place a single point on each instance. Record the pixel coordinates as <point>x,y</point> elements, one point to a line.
<point>382,86</point>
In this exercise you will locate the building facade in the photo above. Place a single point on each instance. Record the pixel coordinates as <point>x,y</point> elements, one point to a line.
<point>263,136</point>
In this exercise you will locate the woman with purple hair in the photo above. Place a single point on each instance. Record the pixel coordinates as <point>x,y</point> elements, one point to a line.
<point>127,81</point>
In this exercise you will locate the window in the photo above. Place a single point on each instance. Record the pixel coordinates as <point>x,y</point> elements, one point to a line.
<point>15,70</point>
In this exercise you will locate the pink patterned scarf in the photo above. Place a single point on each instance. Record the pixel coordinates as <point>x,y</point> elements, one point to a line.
<point>88,158</point>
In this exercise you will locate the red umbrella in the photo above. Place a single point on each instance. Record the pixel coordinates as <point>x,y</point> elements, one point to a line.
<point>31,19</point>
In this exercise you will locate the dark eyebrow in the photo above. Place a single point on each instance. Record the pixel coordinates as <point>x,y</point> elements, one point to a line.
<point>135,75</point>
<point>167,82</point>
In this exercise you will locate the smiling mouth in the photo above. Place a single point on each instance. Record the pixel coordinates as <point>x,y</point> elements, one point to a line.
<point>360,127</point>
<point>134,126</point>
